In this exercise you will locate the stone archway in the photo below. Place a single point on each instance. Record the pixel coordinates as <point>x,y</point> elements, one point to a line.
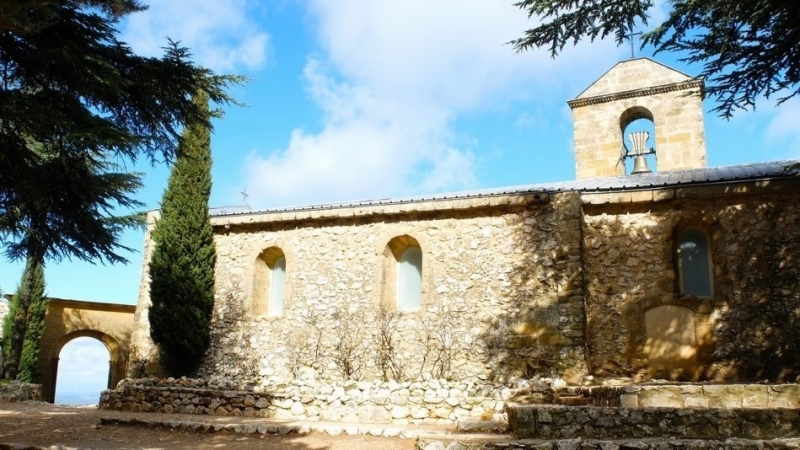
<point>69,319</point>
<point>116,363</point>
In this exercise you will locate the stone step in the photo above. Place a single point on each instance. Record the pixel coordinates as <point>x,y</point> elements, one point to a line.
<point>506,443</point>
<point>476,425</point>
<point>596,422</point>
<point>574,400</point>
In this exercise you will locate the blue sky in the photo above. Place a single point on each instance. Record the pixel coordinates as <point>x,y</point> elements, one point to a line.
<point>82,372</point>
<point>358,99</point>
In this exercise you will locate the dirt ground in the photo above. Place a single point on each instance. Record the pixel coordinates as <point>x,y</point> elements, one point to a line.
<point>44,424</point>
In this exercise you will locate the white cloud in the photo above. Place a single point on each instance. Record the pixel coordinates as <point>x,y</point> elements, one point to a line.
<point>391,79</point>
<point>82,371</point>
<point>659,13</point>
<point>220,33</point>
<point>783,130</point>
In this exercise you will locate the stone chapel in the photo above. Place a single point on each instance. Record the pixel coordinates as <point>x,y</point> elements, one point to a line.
<point>666,270</point>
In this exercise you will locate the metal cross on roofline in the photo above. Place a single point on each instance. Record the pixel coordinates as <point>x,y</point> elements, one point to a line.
<point>244,196</point>
<point>630,37</point>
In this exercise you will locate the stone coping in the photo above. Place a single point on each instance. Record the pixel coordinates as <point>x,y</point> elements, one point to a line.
<point>712,395</point>
<point>695,83</point>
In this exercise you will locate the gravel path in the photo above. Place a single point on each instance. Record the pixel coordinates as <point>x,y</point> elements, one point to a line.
<point>43,424</point>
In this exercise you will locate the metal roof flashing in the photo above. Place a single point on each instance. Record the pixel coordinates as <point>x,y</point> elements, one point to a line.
<point>629,183</point>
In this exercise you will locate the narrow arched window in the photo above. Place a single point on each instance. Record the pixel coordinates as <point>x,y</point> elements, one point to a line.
<point>277,286</point>
<point>269,283</point>
<point>694,263</point>
<point>409,279</point>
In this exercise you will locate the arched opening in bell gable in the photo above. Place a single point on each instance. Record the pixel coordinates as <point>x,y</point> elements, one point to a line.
<point>638,133</point>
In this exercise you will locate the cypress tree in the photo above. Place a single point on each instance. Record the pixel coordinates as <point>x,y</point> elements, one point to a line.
<point>8,323</point>
<point>24,324</point>
<point>182,265</point>
<point>33,334</point>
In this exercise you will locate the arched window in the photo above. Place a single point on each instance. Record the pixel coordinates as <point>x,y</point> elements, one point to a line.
<point>269,283</point>
<point>409,279</point>
<point>694,263</point>
<point>402,274</point>
<point>277,285</point>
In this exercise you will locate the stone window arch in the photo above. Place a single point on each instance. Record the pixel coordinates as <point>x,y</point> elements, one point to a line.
<point>693,257</point>
<point>269,283</point>
<point>404,271</point>
<point>637,119</point>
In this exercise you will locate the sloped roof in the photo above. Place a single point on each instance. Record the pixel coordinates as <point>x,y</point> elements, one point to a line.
<point>633,74</point>
<point>655,180</point>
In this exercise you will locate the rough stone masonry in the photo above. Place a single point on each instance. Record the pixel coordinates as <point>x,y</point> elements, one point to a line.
<point>568,280</point>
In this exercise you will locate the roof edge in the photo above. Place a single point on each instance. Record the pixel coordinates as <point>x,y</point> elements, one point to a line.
<point>627,61</point>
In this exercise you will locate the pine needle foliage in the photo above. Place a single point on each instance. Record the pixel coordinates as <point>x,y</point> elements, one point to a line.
<point>73,98</point>
<point>24,325</point>
<point>182,265</point>
<point>748,48</point>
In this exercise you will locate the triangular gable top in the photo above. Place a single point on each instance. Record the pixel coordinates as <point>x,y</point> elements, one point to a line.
<point>633,74</point>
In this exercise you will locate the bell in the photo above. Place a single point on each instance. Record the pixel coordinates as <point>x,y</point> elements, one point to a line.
<point>640,165</point>
<point>639,141</point>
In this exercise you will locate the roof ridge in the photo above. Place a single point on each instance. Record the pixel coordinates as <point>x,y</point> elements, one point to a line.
<point>715,174</point>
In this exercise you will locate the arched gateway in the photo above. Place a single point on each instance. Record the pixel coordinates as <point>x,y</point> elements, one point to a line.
<point>69,319</point>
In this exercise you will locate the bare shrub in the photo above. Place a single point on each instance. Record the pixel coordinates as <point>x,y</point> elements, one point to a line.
<point>445,344</point>
<point>250,361</point>
<point>388,352</point>
<point>305,343</point>
<point>139,368</point>
<point>348,351</point>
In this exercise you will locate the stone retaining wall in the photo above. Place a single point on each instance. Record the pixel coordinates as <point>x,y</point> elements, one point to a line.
<point>712,396</point>
<point>426,443</point>
<point>429,402</point>
<point>17,391</point>
<point>672,396</point>
<point>592,422</point>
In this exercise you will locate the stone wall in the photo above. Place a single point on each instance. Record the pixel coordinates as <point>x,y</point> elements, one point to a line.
<point>17,391</point>
<point>66,320</point>
<point>634,89</point>
<point>748,328</point>
<point>591,422</point>
<point>712,396</point>
<point>501,293</point>
<point>513,286</point>
<point>3,313</point>
<point>429,402</point>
